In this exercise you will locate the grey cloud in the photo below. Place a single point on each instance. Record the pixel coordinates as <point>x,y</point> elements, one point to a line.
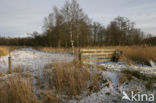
<point>19,17</point>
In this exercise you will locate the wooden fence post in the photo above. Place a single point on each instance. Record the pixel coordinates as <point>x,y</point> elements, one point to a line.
<point>80,56</point>
<point>9,64</point>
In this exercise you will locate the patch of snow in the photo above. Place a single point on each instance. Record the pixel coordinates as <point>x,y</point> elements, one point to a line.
<point>114,78</point>
<point>103,96</point>
<point>153,64</point>
<point>32,59</point>
<point>112,66</point>
<point>36,60</point>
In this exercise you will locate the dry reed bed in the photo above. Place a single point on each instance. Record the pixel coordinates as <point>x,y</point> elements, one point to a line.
<point>133,54</point>
<point>15,89</point>
<point>141,54</point>
<point>64,79</point>
<point>52,49</point>
<point>4,50</point>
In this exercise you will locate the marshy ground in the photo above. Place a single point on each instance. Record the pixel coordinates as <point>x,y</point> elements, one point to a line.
<point>51,77</point>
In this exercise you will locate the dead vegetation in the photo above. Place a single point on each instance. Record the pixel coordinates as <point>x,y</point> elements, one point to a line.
<point>148,81</point>
<point>137,74</point>
<point>134,54</point>
<point>53,49</point>
<point>69,80</point>
<point>140,54</point>
<point>124,77</point>
<point>131,54</point>
<point>4,50</point>
<point>58,81</point>
<point>14,89</point>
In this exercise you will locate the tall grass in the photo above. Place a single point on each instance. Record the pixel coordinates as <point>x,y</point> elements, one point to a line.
<point>4,50</point>
<point>14,89</point>
<point>68,78</point>
<point>133,54</point>
<point>53,49</point>
<point>141,54</point>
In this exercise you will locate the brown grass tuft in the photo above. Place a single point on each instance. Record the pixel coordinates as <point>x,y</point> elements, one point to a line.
<point>4,50</point>
<point>69,78</point>
<point>16,90</point>
<point>49,97</point>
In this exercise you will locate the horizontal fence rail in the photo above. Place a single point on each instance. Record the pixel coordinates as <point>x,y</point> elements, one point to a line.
<point>88,56</point>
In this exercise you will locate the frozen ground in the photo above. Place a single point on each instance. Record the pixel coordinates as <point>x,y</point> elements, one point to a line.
<point>29,58</point>
<point>116,89</point>
<point>33,60</point>
<point>151,70</point>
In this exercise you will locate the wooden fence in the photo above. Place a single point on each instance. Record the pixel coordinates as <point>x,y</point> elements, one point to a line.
<point>98,55</point>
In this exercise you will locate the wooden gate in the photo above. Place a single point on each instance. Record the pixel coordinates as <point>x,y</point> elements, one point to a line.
<point>89,56</point>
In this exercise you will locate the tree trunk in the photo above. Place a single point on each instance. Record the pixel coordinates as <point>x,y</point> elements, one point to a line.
<point>71,37</point>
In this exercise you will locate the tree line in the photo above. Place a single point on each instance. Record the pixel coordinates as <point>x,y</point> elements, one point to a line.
<point>70,26</point>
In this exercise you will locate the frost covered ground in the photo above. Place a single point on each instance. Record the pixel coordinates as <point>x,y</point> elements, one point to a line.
<point>33,60</point>
<point>120,66</point>
<point>29,58</point>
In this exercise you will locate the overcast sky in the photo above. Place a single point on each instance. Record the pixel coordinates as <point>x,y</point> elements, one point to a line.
<point>19,17</point>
